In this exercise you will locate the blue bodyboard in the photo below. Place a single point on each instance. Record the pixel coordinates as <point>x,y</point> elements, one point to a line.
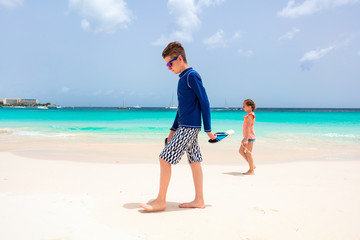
<point>221,136</point>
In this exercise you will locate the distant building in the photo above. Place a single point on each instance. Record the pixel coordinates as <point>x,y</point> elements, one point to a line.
<point>29,102</point>
<point>19,101</point>
<point>11,101</point>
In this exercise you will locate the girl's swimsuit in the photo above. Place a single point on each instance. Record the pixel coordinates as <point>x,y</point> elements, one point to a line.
<point>252,136</point>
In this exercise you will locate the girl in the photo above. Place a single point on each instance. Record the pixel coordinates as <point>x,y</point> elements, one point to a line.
<point>249,135</point>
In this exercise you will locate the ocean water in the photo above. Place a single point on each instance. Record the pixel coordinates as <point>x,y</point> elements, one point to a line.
<point>111,124</point>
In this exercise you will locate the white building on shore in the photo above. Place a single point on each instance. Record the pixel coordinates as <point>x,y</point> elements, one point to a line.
<point>10,101</point>
<point>29,102</point>
<point>19,101</point>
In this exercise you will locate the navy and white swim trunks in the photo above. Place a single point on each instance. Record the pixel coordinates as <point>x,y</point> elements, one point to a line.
<point>184,140</point>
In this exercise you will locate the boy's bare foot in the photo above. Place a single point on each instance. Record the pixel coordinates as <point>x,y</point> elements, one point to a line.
<point>249,173</point>
<point>193,204</point>
<point>153,206</point>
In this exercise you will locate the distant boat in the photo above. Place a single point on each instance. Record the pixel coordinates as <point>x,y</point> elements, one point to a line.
<point>226,105</point>
<point>123,106</point>
<point>42,107</point>
<point>136,106</point>
<point>54,106</point>
<point>171,105</point>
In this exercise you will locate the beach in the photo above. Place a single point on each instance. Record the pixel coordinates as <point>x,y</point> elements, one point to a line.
<point>66,187</point>
<point>46,196</point>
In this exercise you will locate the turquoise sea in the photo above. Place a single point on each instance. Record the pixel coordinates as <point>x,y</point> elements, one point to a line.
<point>112,124</point>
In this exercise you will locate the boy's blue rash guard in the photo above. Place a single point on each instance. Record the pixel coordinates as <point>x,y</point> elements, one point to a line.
<point>193,102</point>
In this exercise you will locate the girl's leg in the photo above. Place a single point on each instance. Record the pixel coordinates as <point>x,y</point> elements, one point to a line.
<point>250,159</point>
<point>242,152</point>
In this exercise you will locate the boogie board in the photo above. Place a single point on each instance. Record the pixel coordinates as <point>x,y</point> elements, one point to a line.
<point>221,136</point>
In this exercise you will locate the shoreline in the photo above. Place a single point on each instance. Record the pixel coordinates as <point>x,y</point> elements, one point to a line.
<point>147,150</point>
<point>356,109</point>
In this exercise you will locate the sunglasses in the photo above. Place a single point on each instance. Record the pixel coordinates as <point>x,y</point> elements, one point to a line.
<point>169,64</point>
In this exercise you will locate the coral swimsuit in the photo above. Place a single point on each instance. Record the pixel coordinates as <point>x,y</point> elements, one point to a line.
<point>245,125</point>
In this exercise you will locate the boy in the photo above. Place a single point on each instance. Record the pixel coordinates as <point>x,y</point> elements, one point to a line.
<point>183,137</point>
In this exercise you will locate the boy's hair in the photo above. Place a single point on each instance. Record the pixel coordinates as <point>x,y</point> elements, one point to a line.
<point>174,49</point>
<point>249,102</point>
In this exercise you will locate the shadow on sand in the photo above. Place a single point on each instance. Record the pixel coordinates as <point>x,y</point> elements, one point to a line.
<point>170,207</point>
<point>234,174</point>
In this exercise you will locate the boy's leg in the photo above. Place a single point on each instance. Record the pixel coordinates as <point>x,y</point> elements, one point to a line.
<point>195,159</point>
<point>165,175</point>
<point>160,202</point>
<point>171,154</point>
<point>198,184</point>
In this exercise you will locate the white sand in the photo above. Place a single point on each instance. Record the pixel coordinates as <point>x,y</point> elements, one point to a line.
<point>47,199</point>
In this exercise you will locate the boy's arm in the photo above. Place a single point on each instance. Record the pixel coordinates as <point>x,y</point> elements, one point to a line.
<point>175,124</point>
<point>196,85</point>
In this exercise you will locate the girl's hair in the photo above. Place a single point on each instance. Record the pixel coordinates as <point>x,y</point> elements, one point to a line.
<point>249,102</point>
<point>174,49</point>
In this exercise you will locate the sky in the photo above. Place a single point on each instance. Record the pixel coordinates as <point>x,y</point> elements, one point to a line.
<point>282,53</point>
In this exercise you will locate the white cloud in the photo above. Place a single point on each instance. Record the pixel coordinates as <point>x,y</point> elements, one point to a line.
<point>236,36</point>
<point>308,7</point>
<point>85,24</point>
<point>358,53</point>
<point>218,39</point>
<point>185,14</point>
<point>311,56</point>
<point>109,92</point>
<point>11,3</point>
<point>102,15</point>
<point>289,35</point>
<point>101,92</point>
<point>64,90</point>
<point>209,3</point>
<point>98,92</point>
<point>245,53</point>
<point>316,54</point>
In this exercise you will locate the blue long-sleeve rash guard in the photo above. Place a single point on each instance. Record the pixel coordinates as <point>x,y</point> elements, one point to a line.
<point>193,102</point>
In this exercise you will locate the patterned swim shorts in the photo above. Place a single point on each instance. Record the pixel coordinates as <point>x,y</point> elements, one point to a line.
<point>184,139</point>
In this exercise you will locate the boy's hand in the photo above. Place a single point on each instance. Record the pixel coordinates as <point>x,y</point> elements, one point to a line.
<point>211,135</point>
<point>244,142</point>
<point>171,134</point>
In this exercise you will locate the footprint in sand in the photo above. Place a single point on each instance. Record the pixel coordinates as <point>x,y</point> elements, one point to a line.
<point>263,210</point>
<point>60,238</point>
